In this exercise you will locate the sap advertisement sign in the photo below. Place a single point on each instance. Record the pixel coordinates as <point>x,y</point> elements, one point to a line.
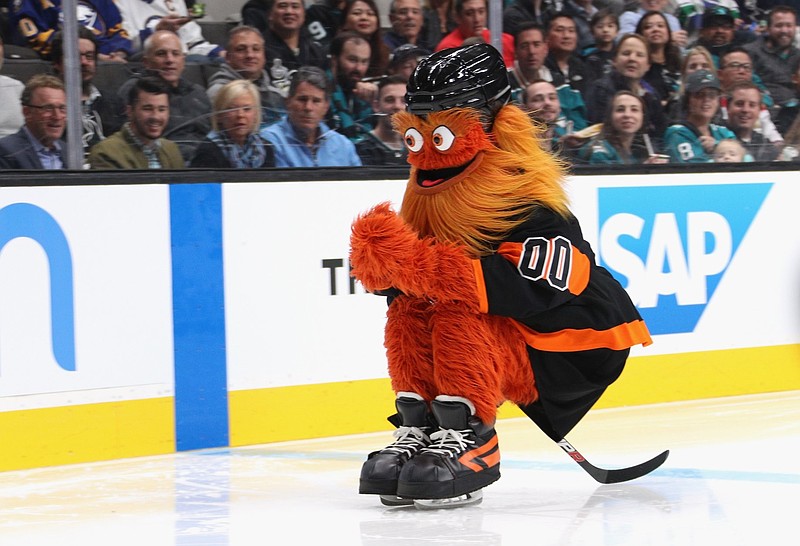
<point>717,260</point>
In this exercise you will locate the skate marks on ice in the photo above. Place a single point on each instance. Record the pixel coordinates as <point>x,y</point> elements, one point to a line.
<point>732,478</point>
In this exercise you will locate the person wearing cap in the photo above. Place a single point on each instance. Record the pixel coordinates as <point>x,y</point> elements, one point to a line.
<point>693,140</point>
<point>694,16</point>
<point>404,60</point>
<point>775,58</point>
<point>718,32</point>
<point>406,17</point>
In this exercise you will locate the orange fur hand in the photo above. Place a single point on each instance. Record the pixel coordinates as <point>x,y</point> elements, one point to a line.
<point>385,252</point>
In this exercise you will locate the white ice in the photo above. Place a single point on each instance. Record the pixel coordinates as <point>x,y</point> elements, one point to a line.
<point>733,478</point>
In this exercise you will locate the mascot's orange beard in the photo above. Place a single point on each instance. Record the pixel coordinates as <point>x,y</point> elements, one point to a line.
<point>507,176</point>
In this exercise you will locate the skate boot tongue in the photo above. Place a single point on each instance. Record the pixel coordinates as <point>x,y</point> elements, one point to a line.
<point>413,413</point>
<point>451,415</point>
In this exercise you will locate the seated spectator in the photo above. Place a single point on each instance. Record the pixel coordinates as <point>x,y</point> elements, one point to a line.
<point>718,33</point>
<point>472,17</point>
<point>383,145</point>
<point>38,144</point>
<point>694,139</point>
<point>10,92</point>
<point>99,112</point>
<point>351,103</point>
<point>629,65</point>
<point>245,60</point>
<point>406,19</point>
<point>363,18</point>
<point>597,57</point>
<point>730,151</point>
<point>34,23</point>
<point>142,18</point>
<point>542,99</point>
<point>736,67</point>
<point>288,45</point>
<point>744,108</point>
<point>697,58</point>
<point>665,55</point>
<point>789,110</point>
<point>530,53</point>
<point>139,144</point>
<point>324,20</point>
<point>189,107</point>
<point>694,16</point>
<point>562,59</point>
<point>621,140</point>
<point>234,142</point>
<point>629,19</point>
<point>775,58</point>
<point>301,139</point>
<point>405,59</point>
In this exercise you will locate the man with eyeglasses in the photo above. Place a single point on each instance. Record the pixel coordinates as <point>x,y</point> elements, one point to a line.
<point>736,67</point>
<point>99,112</point>
<point>38,145</point>
<point>775,58</point>
<point>139,144</point>
<point>406,19</point>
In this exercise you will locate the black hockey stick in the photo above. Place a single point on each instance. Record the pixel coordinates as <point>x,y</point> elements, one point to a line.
<point>613,476</point>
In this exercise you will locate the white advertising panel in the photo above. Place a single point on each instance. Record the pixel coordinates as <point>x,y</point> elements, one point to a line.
<point>85,295</point>
<point>293,316</point>
<point>712,264</point>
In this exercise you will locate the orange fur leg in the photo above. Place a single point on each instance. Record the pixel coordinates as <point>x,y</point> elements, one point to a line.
<point>408,346</point>
<point>479,359</point>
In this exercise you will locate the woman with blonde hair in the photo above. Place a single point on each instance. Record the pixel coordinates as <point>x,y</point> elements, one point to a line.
<point>234,142</point>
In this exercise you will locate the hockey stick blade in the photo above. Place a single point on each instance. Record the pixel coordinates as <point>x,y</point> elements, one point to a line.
<point>617,475</point>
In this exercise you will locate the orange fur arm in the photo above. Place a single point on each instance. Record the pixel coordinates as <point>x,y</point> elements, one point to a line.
<point>385,252</point>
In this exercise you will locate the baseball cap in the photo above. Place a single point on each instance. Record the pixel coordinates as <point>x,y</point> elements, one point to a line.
<point>405,52</point>
<point>701,79</point>
<point>717,14</point>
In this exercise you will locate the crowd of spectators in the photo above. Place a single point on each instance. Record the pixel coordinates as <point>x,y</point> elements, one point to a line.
<point>608,81</point>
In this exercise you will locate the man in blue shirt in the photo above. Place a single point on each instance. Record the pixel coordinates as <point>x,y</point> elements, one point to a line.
<point>301,139</point>
<point>38,144</point>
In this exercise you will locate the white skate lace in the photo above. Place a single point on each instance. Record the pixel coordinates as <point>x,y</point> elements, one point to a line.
<point>450,442</point>
<point>408,440</point>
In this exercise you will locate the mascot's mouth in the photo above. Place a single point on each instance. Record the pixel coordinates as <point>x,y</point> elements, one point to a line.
<point>439,179</point>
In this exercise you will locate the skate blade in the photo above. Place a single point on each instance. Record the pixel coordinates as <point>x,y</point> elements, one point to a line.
<point>393,500</point>
<point>476,497</point>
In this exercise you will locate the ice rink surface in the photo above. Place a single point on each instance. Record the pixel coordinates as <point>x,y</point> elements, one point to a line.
<point>733,478</point>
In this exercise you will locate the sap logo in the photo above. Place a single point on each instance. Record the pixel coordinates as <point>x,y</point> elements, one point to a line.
<point>670,246</point>
<point>26,220</point>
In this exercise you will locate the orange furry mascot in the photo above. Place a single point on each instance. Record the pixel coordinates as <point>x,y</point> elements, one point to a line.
<point>495,294</point>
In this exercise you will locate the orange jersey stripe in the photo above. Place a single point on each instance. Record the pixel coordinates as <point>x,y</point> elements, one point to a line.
<point>617,338</point>
<point>480,285</point>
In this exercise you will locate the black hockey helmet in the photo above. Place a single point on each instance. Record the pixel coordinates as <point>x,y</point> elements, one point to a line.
<point>467,77</point>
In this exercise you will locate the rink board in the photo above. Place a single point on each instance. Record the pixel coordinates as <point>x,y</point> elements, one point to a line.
<point>146,319</point>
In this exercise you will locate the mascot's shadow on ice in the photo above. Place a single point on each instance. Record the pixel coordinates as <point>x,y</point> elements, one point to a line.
<point>494,294</point>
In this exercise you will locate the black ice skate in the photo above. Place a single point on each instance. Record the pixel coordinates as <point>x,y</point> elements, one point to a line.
<point>382,468</point>
<point>463,457</point>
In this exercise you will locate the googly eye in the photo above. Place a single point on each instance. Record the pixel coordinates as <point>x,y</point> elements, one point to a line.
<point>443,138</point>
<point>413,140</point>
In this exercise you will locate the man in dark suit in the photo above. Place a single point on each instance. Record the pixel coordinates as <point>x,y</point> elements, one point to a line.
<point>38,144</point>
